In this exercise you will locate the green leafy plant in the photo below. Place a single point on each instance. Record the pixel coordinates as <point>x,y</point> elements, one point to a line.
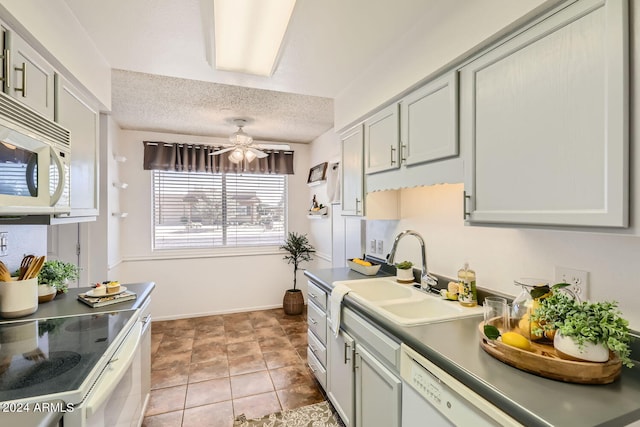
<point>57,273</point>
<point>404,265</point>
<point>299,250</point>
<point>594,322</point>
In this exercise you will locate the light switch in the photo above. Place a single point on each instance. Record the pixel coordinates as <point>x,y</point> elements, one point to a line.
<point>372,246</point>
<point>380,246</point>
<point>4,243</point>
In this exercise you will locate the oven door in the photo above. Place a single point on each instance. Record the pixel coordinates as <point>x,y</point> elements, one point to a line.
<point>114,398</point>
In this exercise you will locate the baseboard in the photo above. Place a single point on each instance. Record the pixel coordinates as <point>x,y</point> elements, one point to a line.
<point>216,313</point>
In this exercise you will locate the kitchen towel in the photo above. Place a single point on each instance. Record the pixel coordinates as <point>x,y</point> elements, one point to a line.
<point>335,303</point>
<point>333,182</point>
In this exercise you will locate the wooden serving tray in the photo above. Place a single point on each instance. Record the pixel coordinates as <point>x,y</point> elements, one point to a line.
<point>543,360</point>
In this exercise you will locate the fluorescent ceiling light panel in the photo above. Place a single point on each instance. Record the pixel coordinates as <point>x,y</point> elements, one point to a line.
<point>249,33</point>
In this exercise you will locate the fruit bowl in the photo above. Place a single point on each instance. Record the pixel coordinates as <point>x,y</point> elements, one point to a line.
<point>364,269</point>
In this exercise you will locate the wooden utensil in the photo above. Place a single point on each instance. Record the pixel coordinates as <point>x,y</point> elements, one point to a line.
<point>5,275</point>
<point>34,268</point>
<point>24,265</point>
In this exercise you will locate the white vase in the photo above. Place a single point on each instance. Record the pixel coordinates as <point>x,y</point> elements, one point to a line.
<point>589,352</point>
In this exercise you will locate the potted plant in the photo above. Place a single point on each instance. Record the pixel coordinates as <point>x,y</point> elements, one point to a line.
<point>584,330</point>
<point>298,250</point>
<point>57,274</point>
<point>404,272</point>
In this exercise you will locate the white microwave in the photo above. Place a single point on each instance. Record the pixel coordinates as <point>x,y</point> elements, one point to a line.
<point>35,160</point>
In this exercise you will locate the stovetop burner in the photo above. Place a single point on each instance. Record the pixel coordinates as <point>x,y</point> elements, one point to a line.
<point>57,355</point>
<point>57,364</point>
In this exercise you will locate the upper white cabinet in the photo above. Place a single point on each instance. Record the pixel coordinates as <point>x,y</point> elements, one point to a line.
<point>544,118</point>
<point>352,172</point>
<point>81,117</point>
<point>429,121</point>
<point>31,78</point>
<point>381,140</point>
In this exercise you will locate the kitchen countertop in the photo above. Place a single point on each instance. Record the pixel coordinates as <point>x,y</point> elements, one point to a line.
<point>530,399</point>
<point>68,304</point>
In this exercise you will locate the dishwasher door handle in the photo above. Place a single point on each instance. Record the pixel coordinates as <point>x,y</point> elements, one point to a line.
<point>114,371</point>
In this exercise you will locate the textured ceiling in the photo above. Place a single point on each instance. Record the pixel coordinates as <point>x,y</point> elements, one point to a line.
<point>168,104</point>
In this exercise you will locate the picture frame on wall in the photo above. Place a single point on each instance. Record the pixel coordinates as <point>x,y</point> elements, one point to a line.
<point>317,174</point>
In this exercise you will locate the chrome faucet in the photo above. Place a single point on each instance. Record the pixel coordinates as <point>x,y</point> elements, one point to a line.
<point>427,281</point>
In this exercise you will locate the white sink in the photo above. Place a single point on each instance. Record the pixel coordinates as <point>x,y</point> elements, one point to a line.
<point>403,304</point>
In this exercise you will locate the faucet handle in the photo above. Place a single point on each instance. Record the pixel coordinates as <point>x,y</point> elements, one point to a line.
<point>428,281</point>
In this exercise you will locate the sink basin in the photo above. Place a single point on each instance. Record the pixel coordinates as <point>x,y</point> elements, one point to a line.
<point>379,289</point>
<point>404,304</point>
<point>427,310</point>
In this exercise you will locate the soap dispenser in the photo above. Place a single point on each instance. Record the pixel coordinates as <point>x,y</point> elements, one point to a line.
<point>468,296</point>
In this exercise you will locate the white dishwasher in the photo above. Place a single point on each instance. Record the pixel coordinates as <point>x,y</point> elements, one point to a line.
<point>432,397</point>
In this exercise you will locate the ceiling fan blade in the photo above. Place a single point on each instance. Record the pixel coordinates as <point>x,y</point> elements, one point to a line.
<point>259,154</point>
<point>213,153</point>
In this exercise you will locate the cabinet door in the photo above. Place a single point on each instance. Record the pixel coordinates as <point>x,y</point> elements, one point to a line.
<point>76,113</point>
<point>31,77</point>
<point>429,118</point>
<point>544,116</point>
<point>381,140</point>
<point>340,375</point>
<point>378,392</point>
<point>352,172</point>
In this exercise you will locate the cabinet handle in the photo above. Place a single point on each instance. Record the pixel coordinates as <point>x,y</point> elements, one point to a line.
<point>346,352</point>
<point>465,197</point>
<point>312,369</point>
<point>313,321</point>
<point>393,150</point>
<point>23,89</point>
<point>313,295</point>
<point>403,159</point>
<point>313,349</point>
<point>357,203</point>
<point>6,69</point>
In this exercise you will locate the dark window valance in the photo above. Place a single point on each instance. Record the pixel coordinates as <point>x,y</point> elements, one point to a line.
<point>198,158</point>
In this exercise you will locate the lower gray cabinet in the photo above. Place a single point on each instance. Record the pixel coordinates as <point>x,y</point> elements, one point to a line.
<point>378,392</point>
<point>340,375</point>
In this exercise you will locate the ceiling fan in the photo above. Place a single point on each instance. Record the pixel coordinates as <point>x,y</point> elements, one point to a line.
<point>242,146</point>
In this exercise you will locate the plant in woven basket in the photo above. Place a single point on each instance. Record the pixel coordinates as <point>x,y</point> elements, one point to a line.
<point>298,250</point>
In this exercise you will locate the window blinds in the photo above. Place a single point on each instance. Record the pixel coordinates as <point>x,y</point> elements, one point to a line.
<point>204,210</point>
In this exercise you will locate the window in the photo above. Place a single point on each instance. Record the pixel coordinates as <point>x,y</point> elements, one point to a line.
<point>204,210</point>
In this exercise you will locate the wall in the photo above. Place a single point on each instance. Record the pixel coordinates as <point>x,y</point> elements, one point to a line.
<point>325,148</point>
<point>423,52</point>
<point>195,284</point>
<point>24,240</point>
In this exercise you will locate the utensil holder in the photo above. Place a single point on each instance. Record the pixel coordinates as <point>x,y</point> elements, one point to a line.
<point>18,298</point>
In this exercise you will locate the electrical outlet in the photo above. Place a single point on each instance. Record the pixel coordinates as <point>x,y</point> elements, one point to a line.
<point>380,246</point>
<point>4,243</point>
<point>372,246</point>
<point>578,279</point>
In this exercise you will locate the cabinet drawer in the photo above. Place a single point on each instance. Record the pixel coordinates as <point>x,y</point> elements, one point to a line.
<point>375,339</point>
<point>317,369</point>
<point>317,348</point>
<point>317,322</point>
<point>317,295</point>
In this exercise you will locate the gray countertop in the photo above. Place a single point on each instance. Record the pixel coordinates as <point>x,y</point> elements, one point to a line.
<point>530,399</point>
<point>68,304</point>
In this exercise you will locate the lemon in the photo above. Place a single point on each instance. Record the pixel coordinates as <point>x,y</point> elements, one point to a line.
<point>514,339</point>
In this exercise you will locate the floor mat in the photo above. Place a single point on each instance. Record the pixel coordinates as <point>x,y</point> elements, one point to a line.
<point>316,415</point>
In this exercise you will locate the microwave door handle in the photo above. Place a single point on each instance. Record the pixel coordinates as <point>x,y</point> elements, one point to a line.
<point>31,180</point>
<point>63,177</point>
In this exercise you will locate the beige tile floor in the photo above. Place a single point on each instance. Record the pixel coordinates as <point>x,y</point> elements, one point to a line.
<point>207,370</point>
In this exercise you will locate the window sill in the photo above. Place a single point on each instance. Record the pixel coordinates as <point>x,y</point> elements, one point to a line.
<point>207,253</point>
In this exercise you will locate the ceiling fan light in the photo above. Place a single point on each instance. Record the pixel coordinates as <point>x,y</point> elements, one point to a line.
<point>236,156</point>
<point>250,156</point>
<point>240,137</point>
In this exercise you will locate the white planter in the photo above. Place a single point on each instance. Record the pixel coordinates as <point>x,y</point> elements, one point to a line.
<point>18,298</point>
<point>405,275</point>
<point>589,352</point>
